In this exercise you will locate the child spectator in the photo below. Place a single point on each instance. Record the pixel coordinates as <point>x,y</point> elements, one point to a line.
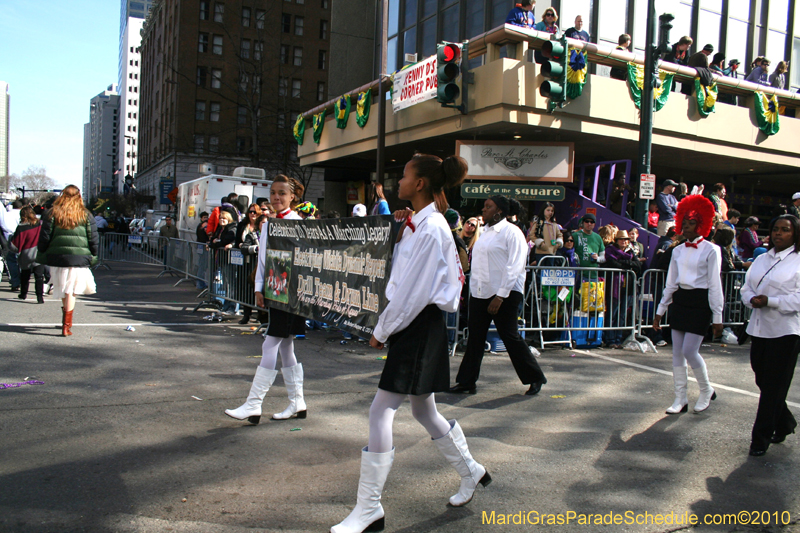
<point>652,217</point>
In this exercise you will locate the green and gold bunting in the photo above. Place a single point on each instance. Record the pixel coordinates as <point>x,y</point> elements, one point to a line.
<point>576,72</point>
<point>636,82</point>
<point>319,123</point>
<point>767,113</point>
<point>362,108</point>
<point>341,111</point>
<point>299,129</point>
<point>706,97</point>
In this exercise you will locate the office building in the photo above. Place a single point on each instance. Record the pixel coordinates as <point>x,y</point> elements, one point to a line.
<point>100,156</point>
<point>5,122</point>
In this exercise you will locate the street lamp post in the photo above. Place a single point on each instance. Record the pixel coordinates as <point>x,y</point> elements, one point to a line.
<point>652,55</point>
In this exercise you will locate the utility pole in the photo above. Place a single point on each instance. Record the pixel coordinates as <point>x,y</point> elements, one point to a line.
<point>652,55</point>
<point>380,164</point>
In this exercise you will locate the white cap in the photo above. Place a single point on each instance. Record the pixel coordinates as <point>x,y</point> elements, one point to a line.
<point>796,196</point>
<point>360,210</point>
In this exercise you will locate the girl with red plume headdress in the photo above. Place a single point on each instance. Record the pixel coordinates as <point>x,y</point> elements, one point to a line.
<point>693,296</point>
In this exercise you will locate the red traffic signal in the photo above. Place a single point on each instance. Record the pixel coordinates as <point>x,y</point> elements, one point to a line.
<point>450,52</point>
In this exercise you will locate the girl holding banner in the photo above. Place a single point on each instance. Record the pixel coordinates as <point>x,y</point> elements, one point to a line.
<point>285,194</point>
<point>425,282</point>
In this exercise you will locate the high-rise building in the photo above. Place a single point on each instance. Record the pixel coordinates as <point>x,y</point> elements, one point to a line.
<point>86,188</point>
<point>222,84</point>
<point>103,134</point>
<point>5,108</point>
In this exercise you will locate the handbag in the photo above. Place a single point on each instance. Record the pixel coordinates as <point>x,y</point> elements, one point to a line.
<point>593,296</point>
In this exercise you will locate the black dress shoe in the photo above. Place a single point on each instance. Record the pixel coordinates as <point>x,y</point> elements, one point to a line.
<point>777,438</point>
<point>458,388</point>
<point>757,452</point>
<point>535,388</point>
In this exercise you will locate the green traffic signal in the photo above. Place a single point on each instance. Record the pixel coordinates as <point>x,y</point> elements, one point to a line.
<point>555,87</point>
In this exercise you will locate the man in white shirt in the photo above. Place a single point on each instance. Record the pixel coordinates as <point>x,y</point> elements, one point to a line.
<point>9,220</point>
<point>496,286</point>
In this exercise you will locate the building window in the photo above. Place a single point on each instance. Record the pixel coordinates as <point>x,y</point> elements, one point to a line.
<point>299,23</point>
<point>219,12</point>
<point>214,114</point>
<point>296,88</point>
<point>203,12</point>
<point>281,120</point>
<point>301,1</point>
<point>216,47</point>
<point>284,54</point>
<point>323,60</point>
<point>203,45</point>
<point>320,91</point>
<point>283,85</point>
<point>324,4</point>
<point>199,142</point>
<point>323,29</point>
<point>286,23</point>
<point>245,52</point>
<point>213,144</point>
<point>241,145</point>
<point>199,110</point>
<point>298,57</point>
<point>244,79</point>
<point>216,78</point>
<point>241,117</point>
<point>246,17</point>
<point>258,50</point>
<point>260,15</point>
<point>201,76</point>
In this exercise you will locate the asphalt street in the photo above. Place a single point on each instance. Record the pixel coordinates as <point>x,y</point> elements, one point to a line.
<point>127,432</point>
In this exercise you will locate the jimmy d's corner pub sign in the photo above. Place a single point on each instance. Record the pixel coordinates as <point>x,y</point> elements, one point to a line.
<point>552,193</point>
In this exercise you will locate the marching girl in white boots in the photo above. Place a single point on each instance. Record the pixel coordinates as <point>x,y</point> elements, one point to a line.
<point>425,282</point>
<point>285,193</point>
<point>693,295</point>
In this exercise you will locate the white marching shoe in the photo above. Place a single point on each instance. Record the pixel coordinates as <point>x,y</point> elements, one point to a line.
<point>293,378</point>
<point>707,392</point>
<point>454,447</point>
<point>251,408</point>
<point>680,375</point>
<point>368,513</point>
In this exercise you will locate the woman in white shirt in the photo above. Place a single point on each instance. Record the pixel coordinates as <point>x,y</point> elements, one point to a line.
<point>497,281</point>
<point>772,289</point>
<point>693,295</point>
<point>285,194</point>
<point>425,282</point>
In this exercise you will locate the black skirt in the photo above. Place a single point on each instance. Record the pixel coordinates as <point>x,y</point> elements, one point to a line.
<point>417,362</point>
<point>689,311</point>
<point>283,324</point>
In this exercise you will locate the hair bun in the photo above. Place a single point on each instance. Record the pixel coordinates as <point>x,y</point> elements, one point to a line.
<point>514,207</point>
<point>455,169</point>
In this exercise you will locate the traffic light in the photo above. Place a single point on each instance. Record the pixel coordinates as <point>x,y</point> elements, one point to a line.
<point>448,61</point>
<point>555,88</point>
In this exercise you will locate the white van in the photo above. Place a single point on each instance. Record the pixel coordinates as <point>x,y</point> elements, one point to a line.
<point>204,194</point>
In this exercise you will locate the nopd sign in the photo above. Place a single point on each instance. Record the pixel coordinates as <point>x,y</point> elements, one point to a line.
<point>552,193</point>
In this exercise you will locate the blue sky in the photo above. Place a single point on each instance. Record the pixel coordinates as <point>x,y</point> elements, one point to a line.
<point>55,56</point>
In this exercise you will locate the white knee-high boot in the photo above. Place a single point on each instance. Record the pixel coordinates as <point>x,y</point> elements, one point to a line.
<point>454,447</point>
<point>293,378</point>
<point>368,513</point>
<point>680,376</point>
<point>707,392</point>
<point>251,408</point>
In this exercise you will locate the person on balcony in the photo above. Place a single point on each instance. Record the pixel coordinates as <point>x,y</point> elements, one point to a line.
<point>759,74</point>
<point>577,31</point>
<point>623,43</point>
<point>548,22</point>
<point>522,14</point>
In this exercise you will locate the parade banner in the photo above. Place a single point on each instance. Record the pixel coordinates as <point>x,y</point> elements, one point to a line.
<point>330,270</point>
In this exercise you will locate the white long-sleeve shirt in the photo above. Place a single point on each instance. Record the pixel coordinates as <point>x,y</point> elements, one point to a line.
<point>425,270</point>
<point>498,262</point>
<point>696,268</point>
<point>781,286</point>
<point>262,250</point>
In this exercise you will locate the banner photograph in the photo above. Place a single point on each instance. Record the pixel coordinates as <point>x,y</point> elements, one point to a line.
<point>331,270</point>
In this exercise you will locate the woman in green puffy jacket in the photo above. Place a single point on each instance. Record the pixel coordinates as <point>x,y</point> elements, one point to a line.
<point>68,244</point>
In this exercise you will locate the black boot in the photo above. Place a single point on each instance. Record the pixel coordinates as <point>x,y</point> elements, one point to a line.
<point>39,287</point>
<point>246,315</point>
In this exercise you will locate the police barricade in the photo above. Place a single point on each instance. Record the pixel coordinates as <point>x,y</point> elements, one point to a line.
<point>734,312</point>
<point>125,248</point>
<point>230,279</point>
<point>187,258</point>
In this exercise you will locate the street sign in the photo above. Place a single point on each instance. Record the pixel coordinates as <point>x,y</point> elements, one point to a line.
<point>556,277</point>
<point>134,239</point>
<point>165,187</point>
<point>237,257</point>
<point>533,192</point>
<point>647,186</point>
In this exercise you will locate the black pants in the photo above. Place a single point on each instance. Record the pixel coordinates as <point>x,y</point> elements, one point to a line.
<point>40,272</point>
<point>506,323</point>
<point>773,361</point>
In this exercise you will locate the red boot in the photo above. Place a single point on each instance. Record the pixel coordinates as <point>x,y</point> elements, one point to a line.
<point>66,326</point>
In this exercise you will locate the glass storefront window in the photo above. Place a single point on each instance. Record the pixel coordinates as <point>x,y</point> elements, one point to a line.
<point>682,25</point>
<point>394,16</point>
<point>776,47</point>
<point>739,9</point>
<point>410,42</point>
<point>794,73</point>
<point>474,18</point>
<point>708,29</point>
<point>712,5</point>
<point>500,9</point>
<point>736,45</point>
<point>613,19</point>
<point>778,14</point>
<point>428,37</point>
<point>428,7</point>
<point>391,55</point>
<point>449,21</point>
<point>570,10</point>
<point>410,13</point>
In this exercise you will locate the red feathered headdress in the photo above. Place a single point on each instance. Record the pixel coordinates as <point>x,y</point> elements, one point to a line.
<point>698,208</point>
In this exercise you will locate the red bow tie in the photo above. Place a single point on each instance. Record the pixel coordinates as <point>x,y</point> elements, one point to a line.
<point>281,215</point>
<point>410,224</point>
<point>693,244</point>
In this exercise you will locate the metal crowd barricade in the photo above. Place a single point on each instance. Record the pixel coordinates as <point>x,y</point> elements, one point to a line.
<point>125,248</point>
<point>651,288</point>
<point>229,278</point>
<point>734,312</point>
<point>188,258</point>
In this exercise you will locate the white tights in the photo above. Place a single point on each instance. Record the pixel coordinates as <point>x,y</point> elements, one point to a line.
<point>270,349</point>
<point>686,348</point>
<point>381,416</point>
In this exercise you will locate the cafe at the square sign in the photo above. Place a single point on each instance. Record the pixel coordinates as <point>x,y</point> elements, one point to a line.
<point>518,160</point>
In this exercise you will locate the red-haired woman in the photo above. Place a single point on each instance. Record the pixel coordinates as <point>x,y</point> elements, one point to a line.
<point>68,242</point>
<point>693,295</point>
<point>285,194</point>
<point>425,281</point>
